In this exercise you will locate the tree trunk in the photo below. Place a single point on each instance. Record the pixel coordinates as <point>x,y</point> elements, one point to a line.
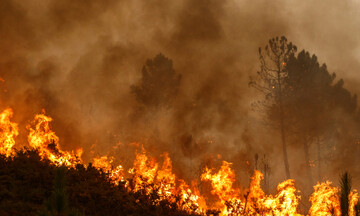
<point>307,161</point>
<point>285,156</point>
<point>282,125</point>
<point>319,158</point>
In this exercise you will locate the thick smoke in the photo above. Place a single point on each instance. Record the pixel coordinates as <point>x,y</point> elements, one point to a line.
<point>78,59</point>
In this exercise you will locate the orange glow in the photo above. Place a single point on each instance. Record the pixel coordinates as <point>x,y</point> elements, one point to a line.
<point>42,138</point>
<point>324,200</point>
<point>9,131</point>
<point>222,183</point>
<point>158,180</point>
<point>353,199</point>
<point>144,171</point>
<point>285,202</point>
<point>116,173</point>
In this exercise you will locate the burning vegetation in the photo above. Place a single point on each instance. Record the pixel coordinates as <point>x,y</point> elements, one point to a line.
<point>165,107</point>
<point>159,184</point>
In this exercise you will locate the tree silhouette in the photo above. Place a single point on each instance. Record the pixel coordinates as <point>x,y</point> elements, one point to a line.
<point>302,99</point>
<point>312,101</point>
<point>308,100</point>
<point>159,83</point>
<point>271,82</point>
<point>345,189</point>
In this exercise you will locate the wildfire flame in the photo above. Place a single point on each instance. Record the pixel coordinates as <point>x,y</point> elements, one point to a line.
<point>9,131</point>
<point>159,181</point>
<point>222,183</point>
<point>324,200</point>
<point>353,199</point>
<point>42,138</point>
<point>104,163</point>
<point>255,201</point>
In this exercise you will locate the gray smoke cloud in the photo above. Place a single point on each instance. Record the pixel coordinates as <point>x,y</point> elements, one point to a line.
<point>78,59</point>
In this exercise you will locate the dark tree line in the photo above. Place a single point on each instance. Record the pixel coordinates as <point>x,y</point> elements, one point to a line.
<point>302,99</point>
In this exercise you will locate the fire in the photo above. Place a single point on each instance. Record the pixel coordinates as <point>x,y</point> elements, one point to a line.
<point>144,171</point>
<point>286,201</point>
<point>166,178</point>
<point>42,135</point>
<point>353,200</point>
<point>222,183</point>
<point>9,131</point>
<point>311,163</point>
<point>325,200</point>
<point>157,180</point>
<point>256,196</point>
<point>255,202</point>
<point>42,138</point>
<point>153,179</point>
<point>104,163</point>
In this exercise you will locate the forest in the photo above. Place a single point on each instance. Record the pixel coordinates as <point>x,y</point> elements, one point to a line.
<point>300,100</point>
<point>206,107</point>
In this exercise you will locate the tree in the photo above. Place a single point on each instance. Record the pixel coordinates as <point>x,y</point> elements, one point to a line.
<point>308,85</point>
<point>312,102</point>
<point>159,83</point>
<point>345,189</point>
<point>272,83</point>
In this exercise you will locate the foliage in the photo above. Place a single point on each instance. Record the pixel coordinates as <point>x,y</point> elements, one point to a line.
<point>271,81</point>
<point>303,100</point>
<point>313,97</point>
<point>30,185</point>
<point>159,83</point>
<point>309,85</point>
<point>57,204</point>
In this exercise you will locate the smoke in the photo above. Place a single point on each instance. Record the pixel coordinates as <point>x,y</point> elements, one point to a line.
<point>78,59</point>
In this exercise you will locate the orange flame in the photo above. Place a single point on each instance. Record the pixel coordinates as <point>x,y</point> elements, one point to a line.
<point>105,164</point>
<point>160,181</point>
<point>9,131</point>
<point>324,200</point>
<point>42,138</point>
<point>144,171</point>
<point>222,183</point>
<point>353,200</point>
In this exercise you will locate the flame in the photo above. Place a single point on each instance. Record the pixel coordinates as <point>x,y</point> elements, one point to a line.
<point>311,163</point>
<point>285,202</point>
<point>353,200</point>
<point>255,202</point>
<point>166,178</point>
<point>325,200</point>
<point>158,180</point>
<point>222,183</point>
<point>144,171</point>
<point>42,138</point>
<point>148,177</point>
<point>256,195</point>
<point>9,131</point>
<point>104,163</point>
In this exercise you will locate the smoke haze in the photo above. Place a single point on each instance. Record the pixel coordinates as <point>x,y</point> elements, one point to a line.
<point>78,59</point>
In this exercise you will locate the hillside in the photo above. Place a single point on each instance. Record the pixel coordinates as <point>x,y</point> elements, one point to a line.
<point>30,185</point>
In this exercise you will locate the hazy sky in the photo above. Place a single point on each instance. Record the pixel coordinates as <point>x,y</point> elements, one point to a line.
<point>78,59</point>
